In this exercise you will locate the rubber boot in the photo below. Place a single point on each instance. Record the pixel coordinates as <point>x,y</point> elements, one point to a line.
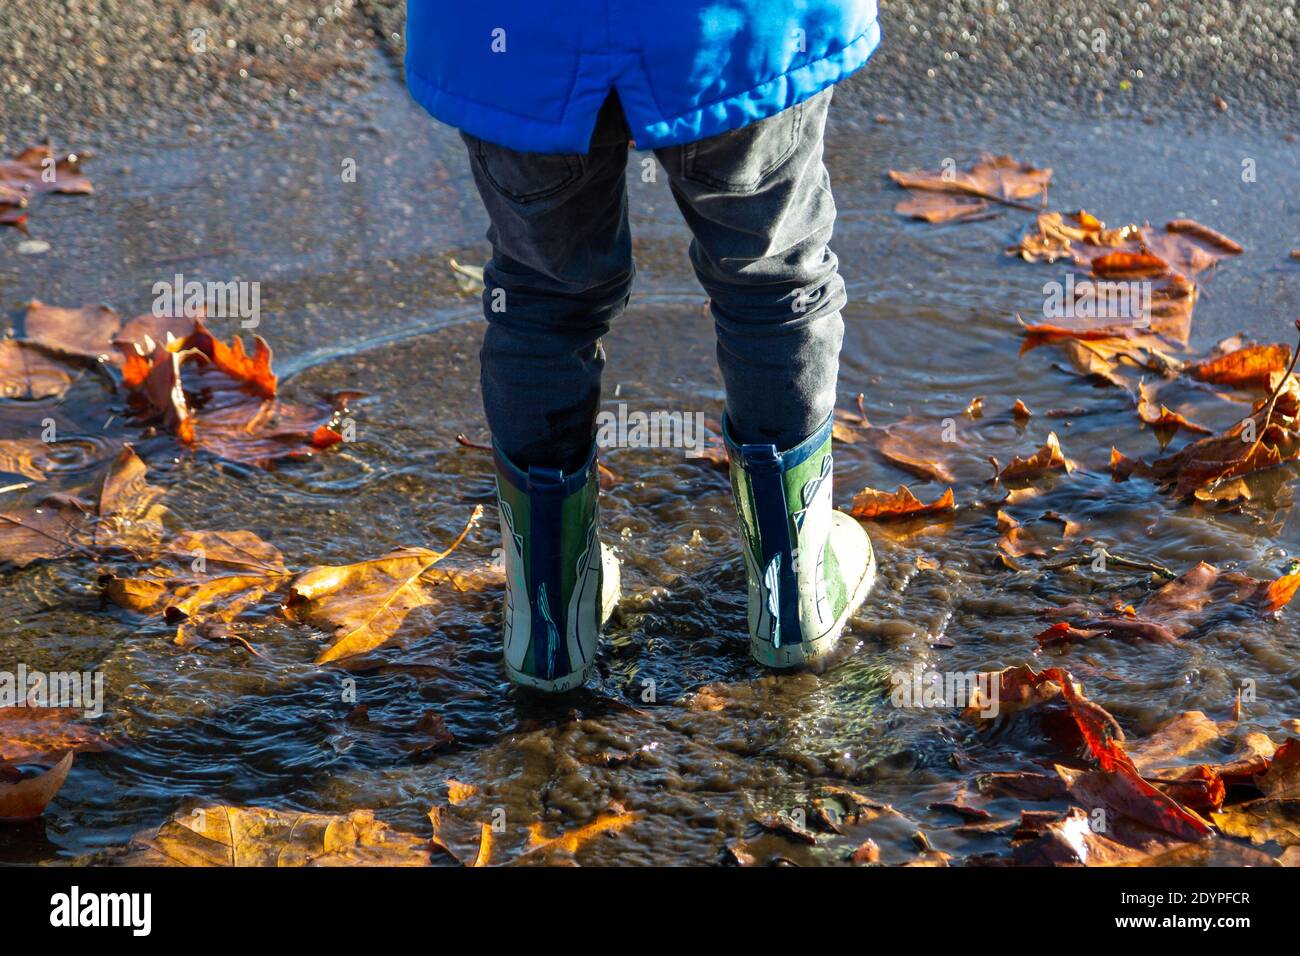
<point>809,567</point>
<point>561,582</point>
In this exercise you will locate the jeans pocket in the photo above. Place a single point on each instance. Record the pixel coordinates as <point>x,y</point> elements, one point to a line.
<point>741,159</point>
<point>524,177</point>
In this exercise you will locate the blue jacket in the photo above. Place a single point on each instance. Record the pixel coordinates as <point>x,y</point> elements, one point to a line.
<point>532,74</point>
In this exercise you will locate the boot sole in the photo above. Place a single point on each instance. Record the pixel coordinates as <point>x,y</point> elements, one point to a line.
<point>557,686</point>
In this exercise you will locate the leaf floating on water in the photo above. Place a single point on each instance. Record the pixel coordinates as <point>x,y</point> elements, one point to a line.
<point>366,603</point>
<point>125,517</point>
<point>130,517</point>
<point>253,372</point>
<point>31,372</point>
<point>58,526</point>
<point>1015,542</point>
<point>1250,366</point>
<point>1267,438</point>
<point>949,450</point>
<point>204,581</point>
<point>1046,460</point>
<point>1117,784</point>
<point>872,505</point>
<point>1279,593</point>
<point>1053,236</point>
<point>940,207</point>
<point>28,798</point>
<point>457,845</point>
<point>238,415</point>
<point>1184,734</point>
<point>1184,247</point>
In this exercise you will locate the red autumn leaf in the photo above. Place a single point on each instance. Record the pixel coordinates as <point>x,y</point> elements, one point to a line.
<point>217,396</point>
<point>1119,783</point>
<point>1122,792</point>
<point>252,371</point>
<point>1129,265</point>
<point>870,504</point>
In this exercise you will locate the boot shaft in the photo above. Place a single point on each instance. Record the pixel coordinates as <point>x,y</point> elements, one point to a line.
<point>553,570</point>
<point>805,565</point>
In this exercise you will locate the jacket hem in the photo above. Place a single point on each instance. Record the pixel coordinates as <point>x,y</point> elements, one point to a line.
<point>573,133</point>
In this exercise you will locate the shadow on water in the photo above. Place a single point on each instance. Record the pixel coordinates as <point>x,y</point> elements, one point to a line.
<point>357,294</point>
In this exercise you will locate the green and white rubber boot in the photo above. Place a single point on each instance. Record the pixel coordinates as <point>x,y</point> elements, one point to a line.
<point>561,582</point>
<point>809,567</point>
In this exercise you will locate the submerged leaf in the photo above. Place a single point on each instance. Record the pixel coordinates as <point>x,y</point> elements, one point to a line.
<point>539,844</point>
<point>257,836</point>
<point>1163,421</point>
<point>38,734</point>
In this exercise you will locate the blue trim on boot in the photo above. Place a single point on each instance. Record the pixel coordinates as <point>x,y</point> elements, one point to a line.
<point>545,565</point>
<point>570,483</point>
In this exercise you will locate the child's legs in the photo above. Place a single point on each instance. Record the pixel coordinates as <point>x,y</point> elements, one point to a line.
<point>758,201</point>
<point>561,271</point>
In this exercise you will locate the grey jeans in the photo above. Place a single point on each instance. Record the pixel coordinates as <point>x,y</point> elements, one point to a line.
<point>758,203</point>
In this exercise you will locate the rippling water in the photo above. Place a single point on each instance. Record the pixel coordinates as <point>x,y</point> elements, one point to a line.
<point>357,294</point>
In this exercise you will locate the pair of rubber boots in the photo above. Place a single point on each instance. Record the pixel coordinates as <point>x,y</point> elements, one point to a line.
<point>808,566</point>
